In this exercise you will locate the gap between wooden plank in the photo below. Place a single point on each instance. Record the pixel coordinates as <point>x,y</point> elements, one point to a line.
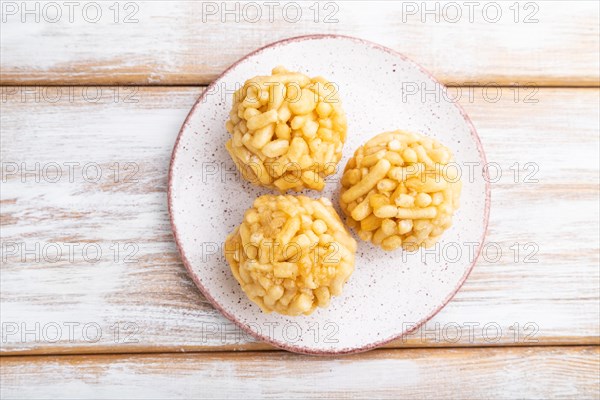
<point>594,342</point>
<point>183,85</point>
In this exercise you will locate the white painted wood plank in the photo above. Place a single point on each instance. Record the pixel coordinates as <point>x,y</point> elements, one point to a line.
<point>186,42</point>
<point>152,305</point>
<point>528,373</point>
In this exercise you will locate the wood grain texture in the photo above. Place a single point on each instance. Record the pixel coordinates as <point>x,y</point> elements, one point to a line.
<point>528,373</point>
<point>547,43</point>
<point>151,305</point>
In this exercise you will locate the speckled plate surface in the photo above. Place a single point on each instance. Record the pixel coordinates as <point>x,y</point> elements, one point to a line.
<point>389,293</point>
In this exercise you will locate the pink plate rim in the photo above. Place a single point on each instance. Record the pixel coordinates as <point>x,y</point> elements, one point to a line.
<point>232,318</point>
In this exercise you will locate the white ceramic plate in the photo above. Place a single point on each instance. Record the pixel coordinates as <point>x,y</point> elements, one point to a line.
<point>389,293</point>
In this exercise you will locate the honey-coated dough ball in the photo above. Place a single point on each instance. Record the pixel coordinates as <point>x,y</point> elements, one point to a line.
<point>287,130</point>
<point>400,189</point>
<point>291,253</point>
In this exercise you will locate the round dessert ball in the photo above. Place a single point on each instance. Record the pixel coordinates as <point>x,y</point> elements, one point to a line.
<point>400,190</point>
<point>291,253</point>
<point>287,130</point>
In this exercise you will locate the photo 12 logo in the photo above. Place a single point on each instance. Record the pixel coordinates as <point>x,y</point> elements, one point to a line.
<point>325,332</point>
<point>471,332</point>
<point>68,252</point>
<point>70,11</point>
<point>69,331</point>
<point>70,94</point>
<point>470,92</point>
<point>270,11</point>
<point>69,171</point>
<point>453,12</point>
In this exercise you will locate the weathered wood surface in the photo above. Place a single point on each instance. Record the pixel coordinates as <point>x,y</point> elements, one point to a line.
<point>534,373</point>
<point>190,43</point>
<point>151,305</point>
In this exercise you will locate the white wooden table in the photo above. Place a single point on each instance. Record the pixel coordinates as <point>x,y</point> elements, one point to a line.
<point>94,299</point>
